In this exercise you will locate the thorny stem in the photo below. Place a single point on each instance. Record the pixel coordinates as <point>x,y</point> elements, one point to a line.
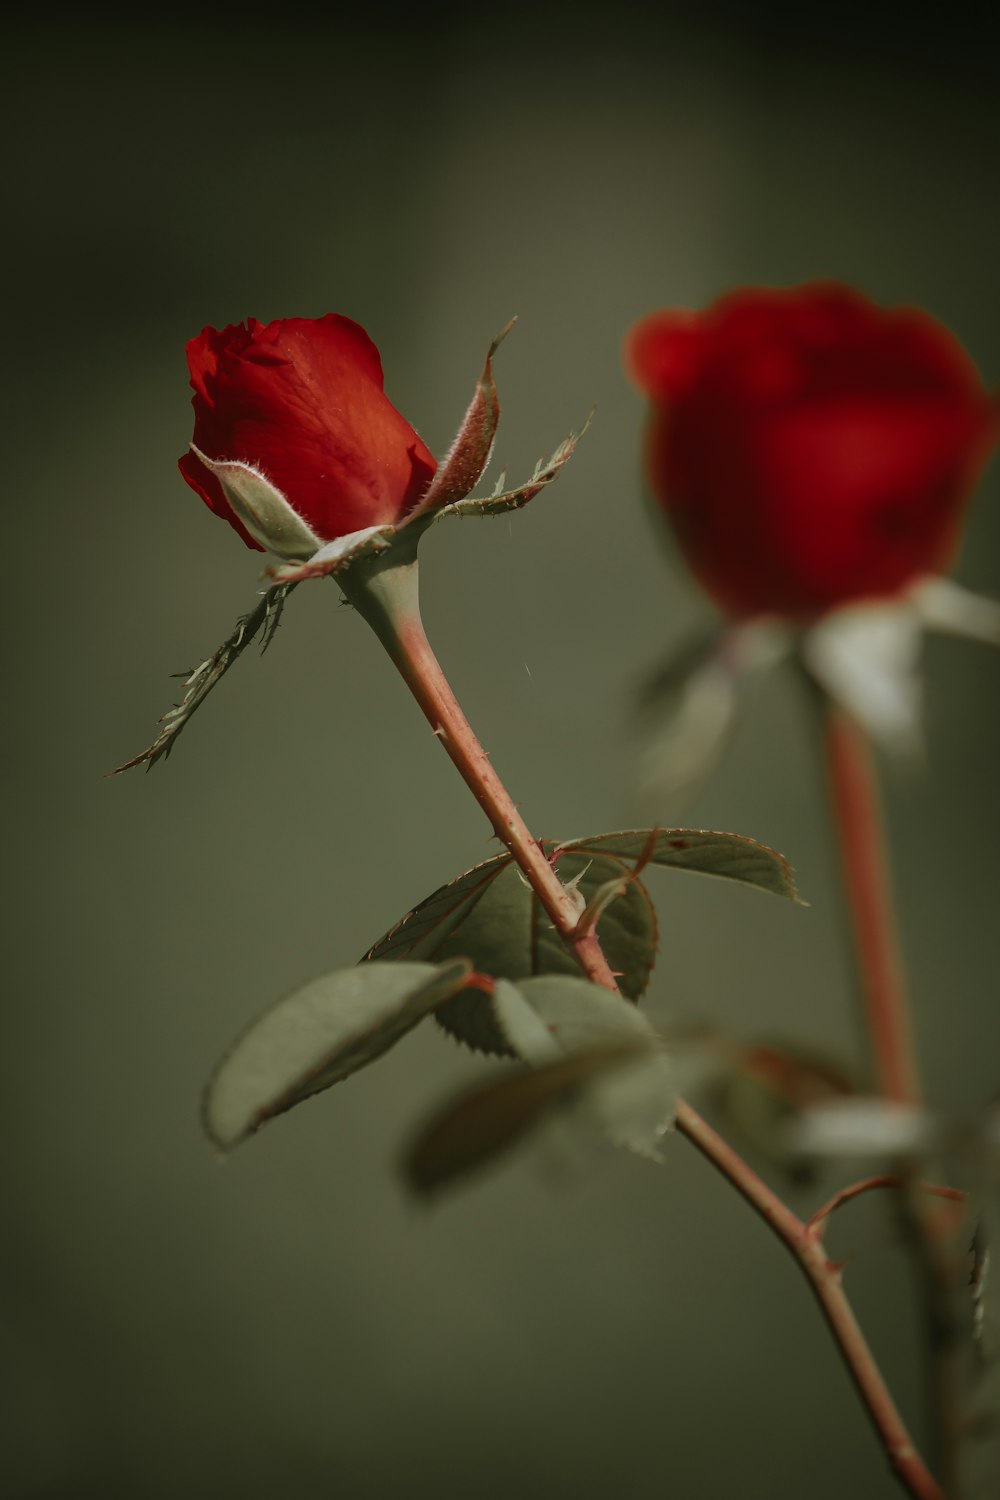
<point>859,831</point>
<point>387,596</point>
<point>824,1277</point>
<point>385,593</point>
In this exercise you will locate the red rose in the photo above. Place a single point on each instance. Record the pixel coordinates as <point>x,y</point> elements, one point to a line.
<point>809,447</point>
<point>295,442</point>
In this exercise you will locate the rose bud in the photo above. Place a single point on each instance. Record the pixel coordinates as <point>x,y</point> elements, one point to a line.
<point>295,442</point>
<point>808,447</point>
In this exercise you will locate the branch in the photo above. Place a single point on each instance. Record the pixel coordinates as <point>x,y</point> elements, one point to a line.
<point>858,829</point>
<point>871,1185</point>
<point>824,1278</point>
<point>858,826</point>
<point>386,594</point>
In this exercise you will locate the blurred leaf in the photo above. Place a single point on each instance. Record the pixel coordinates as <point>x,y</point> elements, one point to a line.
<point>544,1017</point>
<point>687,709</point>
<point>687,716</point>
<point>760,1091</point>
<point>863,1127</point>
<point>493,916</point>
<point>682,662</point>
<point>756,1089</point>
<point>494,1116</point>
<point>200,680</point>
<point>979,1433</point>
<point>317,1036</point>
<point>793,1077</point>
<point>944,605</point>
<point>866,657</point>
<point>587,1049</point>
<point>729,856</point>
<point>974,1156</point>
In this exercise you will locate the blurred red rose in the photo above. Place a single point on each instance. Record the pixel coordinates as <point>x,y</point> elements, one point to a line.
<point>809,447</point>
<point>294,411</point>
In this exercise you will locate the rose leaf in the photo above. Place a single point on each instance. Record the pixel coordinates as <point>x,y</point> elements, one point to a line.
<point>491,915</point>
<point>587,1051</point>
<point>317,1036</point>
<point>730,856</point>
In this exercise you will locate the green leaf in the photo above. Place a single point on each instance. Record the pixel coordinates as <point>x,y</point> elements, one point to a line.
<point>544,1017</point>
<point>420,933</point>
<point>587,1049</point>
<point>491,1118</point>
<point>317,1036</point>
<point>729,856</point>
<point>492,915</point>
<point>756,1089</point>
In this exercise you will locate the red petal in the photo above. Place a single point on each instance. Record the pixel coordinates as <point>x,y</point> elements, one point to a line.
<point>302,400</point>
<point>663,353</point>
<point>809,446</point>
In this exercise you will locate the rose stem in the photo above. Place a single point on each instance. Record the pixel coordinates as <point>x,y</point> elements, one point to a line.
<point>385,592</point>
<point>824,1277</point>
<point>858,825</point>
<point>857,821</point>
<point>387,597</point>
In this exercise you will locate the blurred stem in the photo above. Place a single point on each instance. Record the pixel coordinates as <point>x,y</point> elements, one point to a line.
<point>384,590</point>
<point>858,825</point>
<point>858,828</point>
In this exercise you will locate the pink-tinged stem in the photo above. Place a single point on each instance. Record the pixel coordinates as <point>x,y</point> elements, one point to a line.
<point>817,1221</point>
<point>387,597</point>
<point>385,592</point>
<point>824,1277</point>
<point>859,831</point>
<point>857,819</point>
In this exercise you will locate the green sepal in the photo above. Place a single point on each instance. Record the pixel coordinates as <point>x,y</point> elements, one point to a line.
<point>199,681</point>
<point>502,499</point>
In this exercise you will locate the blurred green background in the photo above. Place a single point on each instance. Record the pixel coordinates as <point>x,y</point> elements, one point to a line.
<point>293,1324</point>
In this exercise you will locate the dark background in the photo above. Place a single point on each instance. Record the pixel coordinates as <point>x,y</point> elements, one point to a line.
<point>294,1324</point>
